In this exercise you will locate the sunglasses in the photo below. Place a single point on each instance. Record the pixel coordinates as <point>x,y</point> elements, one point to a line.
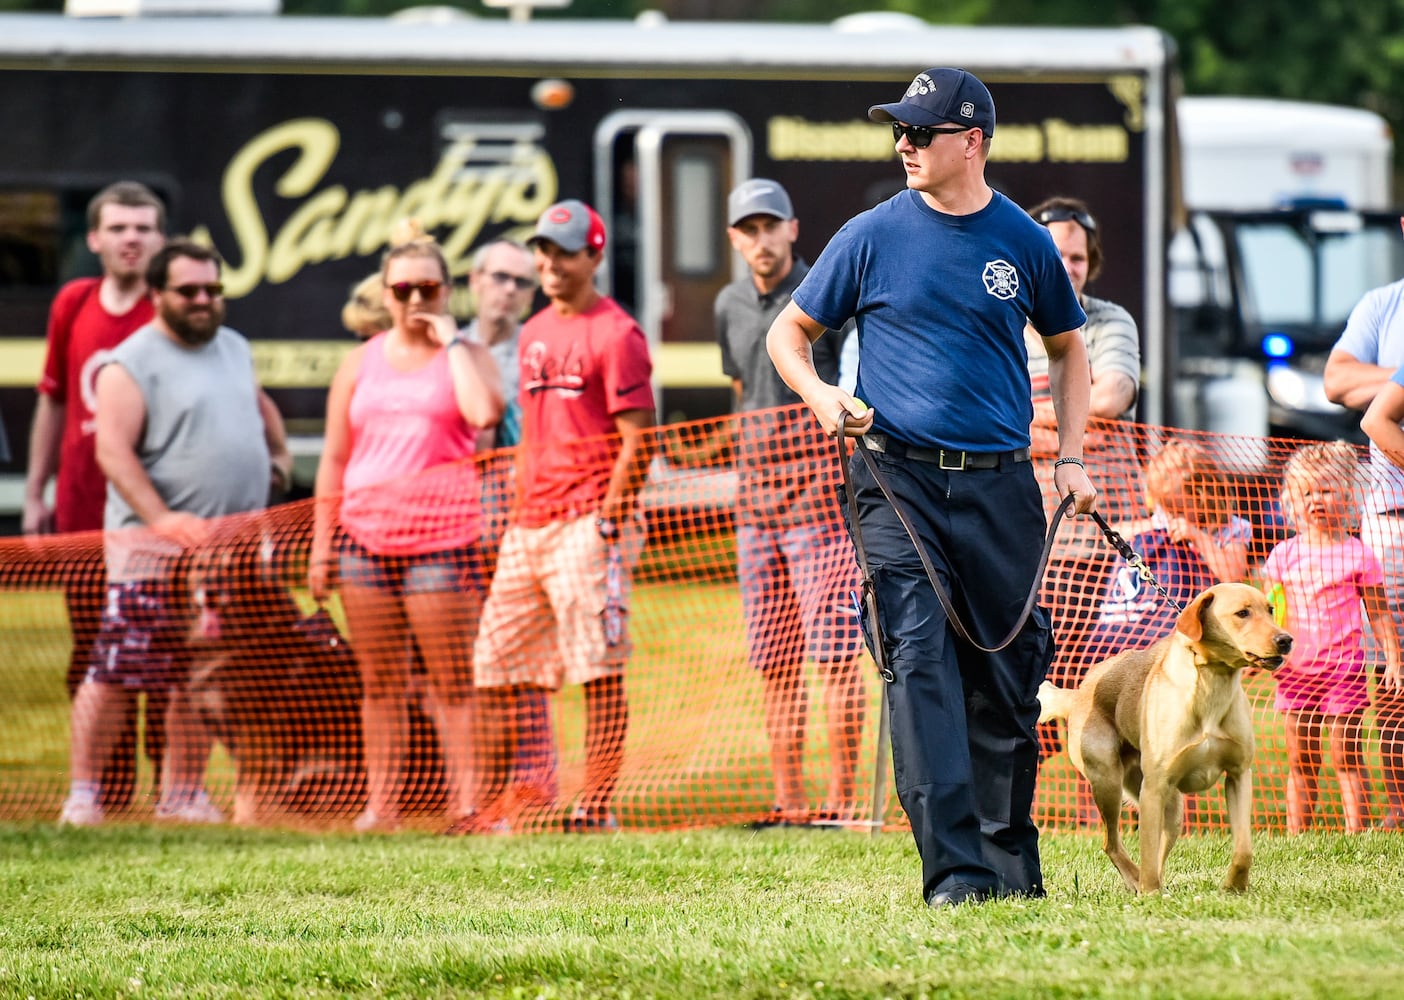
<point>1067,215</point>
<point>920,136</point>
<point>214,290</point>
<point>426,289</point>
<point>503,278</point>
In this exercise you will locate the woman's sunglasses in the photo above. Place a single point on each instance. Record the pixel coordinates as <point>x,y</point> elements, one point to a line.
<point>426,289</point>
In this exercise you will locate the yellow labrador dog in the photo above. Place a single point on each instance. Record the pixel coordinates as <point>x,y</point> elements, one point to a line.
<point>1169,719</point>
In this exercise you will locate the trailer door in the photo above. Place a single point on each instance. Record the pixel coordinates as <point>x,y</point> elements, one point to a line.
<point>677,168</point>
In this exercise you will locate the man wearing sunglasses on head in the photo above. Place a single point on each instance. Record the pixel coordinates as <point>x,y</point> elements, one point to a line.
<point>184,434</point>
<point>1114,352</point>
<point>940,279</point>
<point>1113,345</point>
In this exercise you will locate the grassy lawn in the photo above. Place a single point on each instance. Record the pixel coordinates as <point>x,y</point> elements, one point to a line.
<point>135,910</point>
<point>145,912</point>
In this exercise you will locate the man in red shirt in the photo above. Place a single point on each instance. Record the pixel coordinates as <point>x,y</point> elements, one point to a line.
<point>556,610</point>
<point>89,317</point>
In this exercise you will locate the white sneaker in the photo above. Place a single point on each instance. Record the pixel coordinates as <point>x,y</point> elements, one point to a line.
<point>80,812</point>
<point>197,810</point>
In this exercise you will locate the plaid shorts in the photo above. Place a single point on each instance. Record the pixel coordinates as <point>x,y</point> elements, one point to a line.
<point>544,622</point>
<point>141,642</point>
<point>799,594</point>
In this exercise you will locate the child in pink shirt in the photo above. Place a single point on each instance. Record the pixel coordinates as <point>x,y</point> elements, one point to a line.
<point>1317,581</point>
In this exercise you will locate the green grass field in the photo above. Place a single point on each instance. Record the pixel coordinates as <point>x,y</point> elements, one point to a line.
<point>141,911</point>
<point>148,912</point>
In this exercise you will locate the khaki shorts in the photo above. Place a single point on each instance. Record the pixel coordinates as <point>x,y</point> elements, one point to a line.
<point>543,622</point>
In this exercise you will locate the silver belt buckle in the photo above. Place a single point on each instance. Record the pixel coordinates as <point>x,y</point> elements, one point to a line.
<point>958,456</point>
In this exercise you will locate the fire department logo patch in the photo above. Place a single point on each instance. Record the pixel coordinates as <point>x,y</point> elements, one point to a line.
<point>1001,280</point>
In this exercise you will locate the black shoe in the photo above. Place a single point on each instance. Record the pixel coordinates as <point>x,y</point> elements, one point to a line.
<point>960,894</point>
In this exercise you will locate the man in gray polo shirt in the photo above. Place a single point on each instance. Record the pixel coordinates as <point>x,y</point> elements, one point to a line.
<point>184,434</point>
<point>796,566</point>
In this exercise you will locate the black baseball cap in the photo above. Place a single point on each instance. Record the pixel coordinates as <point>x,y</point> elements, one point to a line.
<point>942,96</point>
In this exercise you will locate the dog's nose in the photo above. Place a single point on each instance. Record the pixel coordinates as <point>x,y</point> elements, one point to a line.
<point>1284,644</point>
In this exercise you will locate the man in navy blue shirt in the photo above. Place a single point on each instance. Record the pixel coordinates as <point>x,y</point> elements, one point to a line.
<point>941,279</point>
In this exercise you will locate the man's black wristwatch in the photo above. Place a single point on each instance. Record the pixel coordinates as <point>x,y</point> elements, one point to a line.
<point>608,528</point>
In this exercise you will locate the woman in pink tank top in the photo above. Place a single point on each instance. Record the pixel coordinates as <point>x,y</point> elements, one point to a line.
<point>397,475</point>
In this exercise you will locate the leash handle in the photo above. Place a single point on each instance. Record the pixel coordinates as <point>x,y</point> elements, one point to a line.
<point>869,592</point>
<point>867,598</point>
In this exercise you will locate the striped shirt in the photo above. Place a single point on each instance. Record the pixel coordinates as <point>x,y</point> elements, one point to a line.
<point>1374,334</point>
<point>1112,346</point>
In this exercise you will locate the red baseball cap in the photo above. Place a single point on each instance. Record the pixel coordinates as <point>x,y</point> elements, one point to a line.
<point>572,225</point>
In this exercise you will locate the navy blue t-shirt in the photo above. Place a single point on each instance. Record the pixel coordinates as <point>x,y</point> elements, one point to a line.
<point>941,302</point>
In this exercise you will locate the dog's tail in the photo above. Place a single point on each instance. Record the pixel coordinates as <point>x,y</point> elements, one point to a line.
<point>1053,702</point>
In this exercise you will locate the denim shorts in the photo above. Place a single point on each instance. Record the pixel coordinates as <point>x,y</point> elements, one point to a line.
<point>403,575</point>
<point>799,591</point>
<point>141,641</point>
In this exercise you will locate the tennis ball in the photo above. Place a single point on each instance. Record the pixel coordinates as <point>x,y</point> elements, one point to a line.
<point>1277,601</point>
<point>862,406</point>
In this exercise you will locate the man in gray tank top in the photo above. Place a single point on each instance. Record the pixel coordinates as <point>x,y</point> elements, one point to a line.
<point>177,409</point>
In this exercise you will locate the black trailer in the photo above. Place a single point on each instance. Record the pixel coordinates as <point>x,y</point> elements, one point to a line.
<point>294,145</point>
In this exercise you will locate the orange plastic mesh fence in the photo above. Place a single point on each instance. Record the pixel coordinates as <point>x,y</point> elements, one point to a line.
<point>294,703</point>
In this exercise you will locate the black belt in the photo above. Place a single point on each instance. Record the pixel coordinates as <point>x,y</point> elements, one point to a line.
<point>1395,512</point>
<point>951,461</point>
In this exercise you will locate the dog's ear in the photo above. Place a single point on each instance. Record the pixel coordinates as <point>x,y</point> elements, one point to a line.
<point>1191,620</point>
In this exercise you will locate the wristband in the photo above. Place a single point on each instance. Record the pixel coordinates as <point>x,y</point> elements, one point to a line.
<point>1069,460</point>
<point>457,340</point>
<point>608,528</point>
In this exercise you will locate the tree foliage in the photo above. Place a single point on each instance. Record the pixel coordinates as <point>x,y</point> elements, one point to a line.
<point>1335,51</point>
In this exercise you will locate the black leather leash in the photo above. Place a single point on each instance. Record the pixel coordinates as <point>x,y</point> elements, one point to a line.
<point>1133,559</point>
<point>869,593</point>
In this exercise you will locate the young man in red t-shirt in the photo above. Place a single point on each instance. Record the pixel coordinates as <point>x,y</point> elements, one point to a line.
<point>89,317</point>
<point>555,611</point>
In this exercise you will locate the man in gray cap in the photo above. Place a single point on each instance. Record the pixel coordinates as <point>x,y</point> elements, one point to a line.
<point>555,612</point>
<point>942,278</point>
<point>795,565</point>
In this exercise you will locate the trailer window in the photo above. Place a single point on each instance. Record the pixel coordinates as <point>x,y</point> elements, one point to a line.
<point>696,248</point>
<point>29,238</point>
